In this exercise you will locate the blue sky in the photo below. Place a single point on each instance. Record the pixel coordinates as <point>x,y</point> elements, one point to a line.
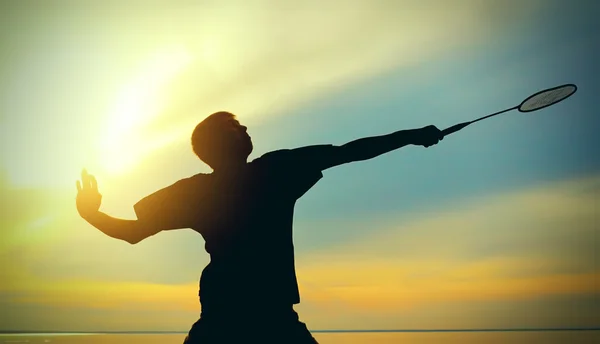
<point>502,215</point>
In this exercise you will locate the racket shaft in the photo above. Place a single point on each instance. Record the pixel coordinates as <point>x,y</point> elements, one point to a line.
<point>459,126</point>
<point>455,128</point>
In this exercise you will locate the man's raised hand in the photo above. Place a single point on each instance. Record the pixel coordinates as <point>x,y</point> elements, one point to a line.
<point>88,198</point>
<point>427,136</point>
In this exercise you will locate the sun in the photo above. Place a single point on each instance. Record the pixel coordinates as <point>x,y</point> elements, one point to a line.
<point>136,104</point>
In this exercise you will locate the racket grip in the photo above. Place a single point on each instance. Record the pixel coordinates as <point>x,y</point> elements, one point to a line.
<point>454,128</point>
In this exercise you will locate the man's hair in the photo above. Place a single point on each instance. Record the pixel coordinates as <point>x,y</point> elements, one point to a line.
<point>209,139</point>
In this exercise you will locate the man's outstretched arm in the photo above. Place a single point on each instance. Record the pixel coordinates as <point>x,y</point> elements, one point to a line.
<point>324,157</point>
<point>88,204</point>
<point>131,231</point>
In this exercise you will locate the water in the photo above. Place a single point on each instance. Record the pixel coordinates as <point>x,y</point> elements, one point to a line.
<point>533,337</point>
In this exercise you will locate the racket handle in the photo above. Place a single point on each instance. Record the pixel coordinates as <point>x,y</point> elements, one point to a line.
<point>454,128</point>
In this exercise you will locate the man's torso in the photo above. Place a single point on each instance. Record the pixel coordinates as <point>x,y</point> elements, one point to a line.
<point>246,220</point>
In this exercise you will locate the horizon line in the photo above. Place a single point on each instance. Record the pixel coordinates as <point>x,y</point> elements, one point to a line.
<point>533,329</point>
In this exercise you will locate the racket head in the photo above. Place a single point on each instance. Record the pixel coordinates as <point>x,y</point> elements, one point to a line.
<point>547,97</point>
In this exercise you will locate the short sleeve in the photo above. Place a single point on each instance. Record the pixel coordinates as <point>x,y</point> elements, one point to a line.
<point>176,206</point>
<point>298,169</point>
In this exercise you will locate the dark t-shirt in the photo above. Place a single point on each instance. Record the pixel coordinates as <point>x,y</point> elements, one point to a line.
<point>246,221</point>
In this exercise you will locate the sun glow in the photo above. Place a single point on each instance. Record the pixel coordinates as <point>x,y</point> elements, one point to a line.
<point>137,104</point>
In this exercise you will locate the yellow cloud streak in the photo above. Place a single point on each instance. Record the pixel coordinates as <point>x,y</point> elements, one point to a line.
<point>109,295</point>
<point>377,287</point>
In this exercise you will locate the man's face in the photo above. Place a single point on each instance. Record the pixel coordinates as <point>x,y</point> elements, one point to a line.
<point>239,135</point>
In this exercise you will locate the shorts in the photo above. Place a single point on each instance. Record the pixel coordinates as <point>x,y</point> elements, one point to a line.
<point>280,328</point>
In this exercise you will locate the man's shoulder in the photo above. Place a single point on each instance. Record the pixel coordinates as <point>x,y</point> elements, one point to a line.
<point>301,154</point>
<point>185,186</point>
<point>273,155</point>
<point>198,178</point>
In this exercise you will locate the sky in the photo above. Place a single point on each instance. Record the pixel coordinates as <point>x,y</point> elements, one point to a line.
<point>494,227</point>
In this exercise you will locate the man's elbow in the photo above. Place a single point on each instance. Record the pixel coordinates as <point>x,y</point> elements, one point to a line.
<point>136,237</point>
<point>137,233</point>
<point>133,240</point>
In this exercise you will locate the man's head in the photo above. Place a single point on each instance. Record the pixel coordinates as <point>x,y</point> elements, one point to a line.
<point>220,140</point>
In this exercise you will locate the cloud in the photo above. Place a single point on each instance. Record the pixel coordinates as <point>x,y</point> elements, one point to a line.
<point>68,294</point>
<point>278,57</point>
<point>256,60</point>
<point>532,222</point>
<point>516,247</point>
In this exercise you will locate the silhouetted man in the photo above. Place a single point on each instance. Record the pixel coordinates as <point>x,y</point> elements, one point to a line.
<point>244,211</point>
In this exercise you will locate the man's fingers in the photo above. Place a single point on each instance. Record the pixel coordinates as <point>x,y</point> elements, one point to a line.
<point>93,183</point>
<point>84,179</point>
<point>88,181</point>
